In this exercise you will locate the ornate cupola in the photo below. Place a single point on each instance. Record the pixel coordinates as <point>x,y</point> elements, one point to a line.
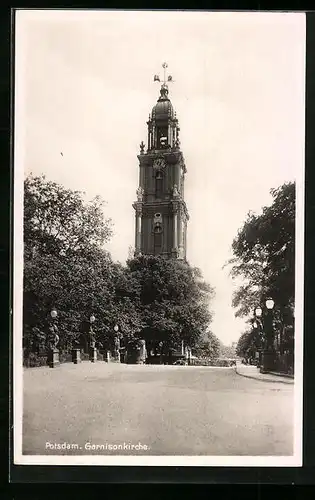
<point>163,129</point>
<point>161,212</point>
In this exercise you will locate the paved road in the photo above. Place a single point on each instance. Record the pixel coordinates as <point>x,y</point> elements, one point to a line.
<point>172,410</point>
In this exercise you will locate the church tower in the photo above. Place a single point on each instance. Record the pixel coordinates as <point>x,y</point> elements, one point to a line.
<point>160,210</point>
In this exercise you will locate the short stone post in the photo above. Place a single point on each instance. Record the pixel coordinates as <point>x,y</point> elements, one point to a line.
<point>93,354</point>
<point>53,340</point>
<point>76,355</point>
<point>53,358</point>
<point>118,356</point>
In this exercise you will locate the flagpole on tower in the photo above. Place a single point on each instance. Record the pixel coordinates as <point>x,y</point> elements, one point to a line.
<point>166,80</point>
<point>164,65</point>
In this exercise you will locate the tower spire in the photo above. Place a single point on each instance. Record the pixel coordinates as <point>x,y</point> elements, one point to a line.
<point>161,214</point>
<point>164,66</point>
<point>166,78</point>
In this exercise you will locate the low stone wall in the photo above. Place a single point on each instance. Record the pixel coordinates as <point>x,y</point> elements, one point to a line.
<point>34,360</point>
<point>213,362</point>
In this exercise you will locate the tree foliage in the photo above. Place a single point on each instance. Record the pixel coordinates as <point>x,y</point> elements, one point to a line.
<point>65,263</point>
<point>66,266</point>
<point>172,298</point>
<point>207,346</point>
<point>227,351</point>
<point>245,343</point>
<point>250,341</point>
<point>59,221</point>
<point>264,256</point>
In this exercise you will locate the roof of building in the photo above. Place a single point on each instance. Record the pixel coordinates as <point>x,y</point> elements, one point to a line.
<point>163,108</point>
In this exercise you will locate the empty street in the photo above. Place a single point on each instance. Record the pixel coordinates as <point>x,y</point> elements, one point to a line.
<point>155,410</point>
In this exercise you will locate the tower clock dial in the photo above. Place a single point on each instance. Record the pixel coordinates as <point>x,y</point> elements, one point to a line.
<point>159,164</point>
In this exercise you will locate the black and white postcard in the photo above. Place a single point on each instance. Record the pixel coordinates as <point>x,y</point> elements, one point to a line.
<point>158,238</point>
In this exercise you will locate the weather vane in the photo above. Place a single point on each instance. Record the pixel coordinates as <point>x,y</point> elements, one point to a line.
<point>165,80</point>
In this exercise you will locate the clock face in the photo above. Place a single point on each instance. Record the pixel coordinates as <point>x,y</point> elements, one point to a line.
<point>158,164</point>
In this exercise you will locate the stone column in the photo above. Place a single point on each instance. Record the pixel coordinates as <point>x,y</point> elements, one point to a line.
<point>139,221</point>
<point>136,233</point>
<point>169,139</point>
<point>153,138</point>
<point>93,354</point>
<point>181,242</point>
<point>175,222</point>
<point>138,229</point>
<point>149,134</point>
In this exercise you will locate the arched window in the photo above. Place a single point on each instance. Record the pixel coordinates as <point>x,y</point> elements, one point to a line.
<point>162,137</point>
<point>157,238</point>
<point>158,184</point>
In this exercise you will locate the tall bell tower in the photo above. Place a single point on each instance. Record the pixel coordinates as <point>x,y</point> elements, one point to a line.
<point>160,210</point>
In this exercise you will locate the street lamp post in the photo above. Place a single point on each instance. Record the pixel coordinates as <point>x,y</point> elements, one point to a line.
<point>76,353</point>
<point>259,326</point>
<point>117,343</point>
<point>93,354</point>
<point>107,349</point>
<point>268,356</point>
<point>53,340</point>
<point>257,348</point>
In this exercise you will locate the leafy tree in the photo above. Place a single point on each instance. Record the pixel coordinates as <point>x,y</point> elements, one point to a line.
<point>249,342</point>
<point>207,346</point>
<point>227,351</point>
<point>172,299</point>
<point>264,257</point>
<point>66,265</point>
<point>59,221</point>
<point>79,286</point>
<point>244,344</point>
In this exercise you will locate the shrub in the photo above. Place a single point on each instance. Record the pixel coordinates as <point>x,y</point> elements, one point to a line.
<point>32,360</point>
<point>100,356</point>
<point>35,360</point>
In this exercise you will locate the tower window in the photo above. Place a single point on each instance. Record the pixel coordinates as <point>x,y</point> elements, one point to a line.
<point>157,239</point>
<point>158,184</point>
<point>162,137</point>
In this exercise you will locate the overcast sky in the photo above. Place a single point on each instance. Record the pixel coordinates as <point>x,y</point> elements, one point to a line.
<point>85,88</point>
